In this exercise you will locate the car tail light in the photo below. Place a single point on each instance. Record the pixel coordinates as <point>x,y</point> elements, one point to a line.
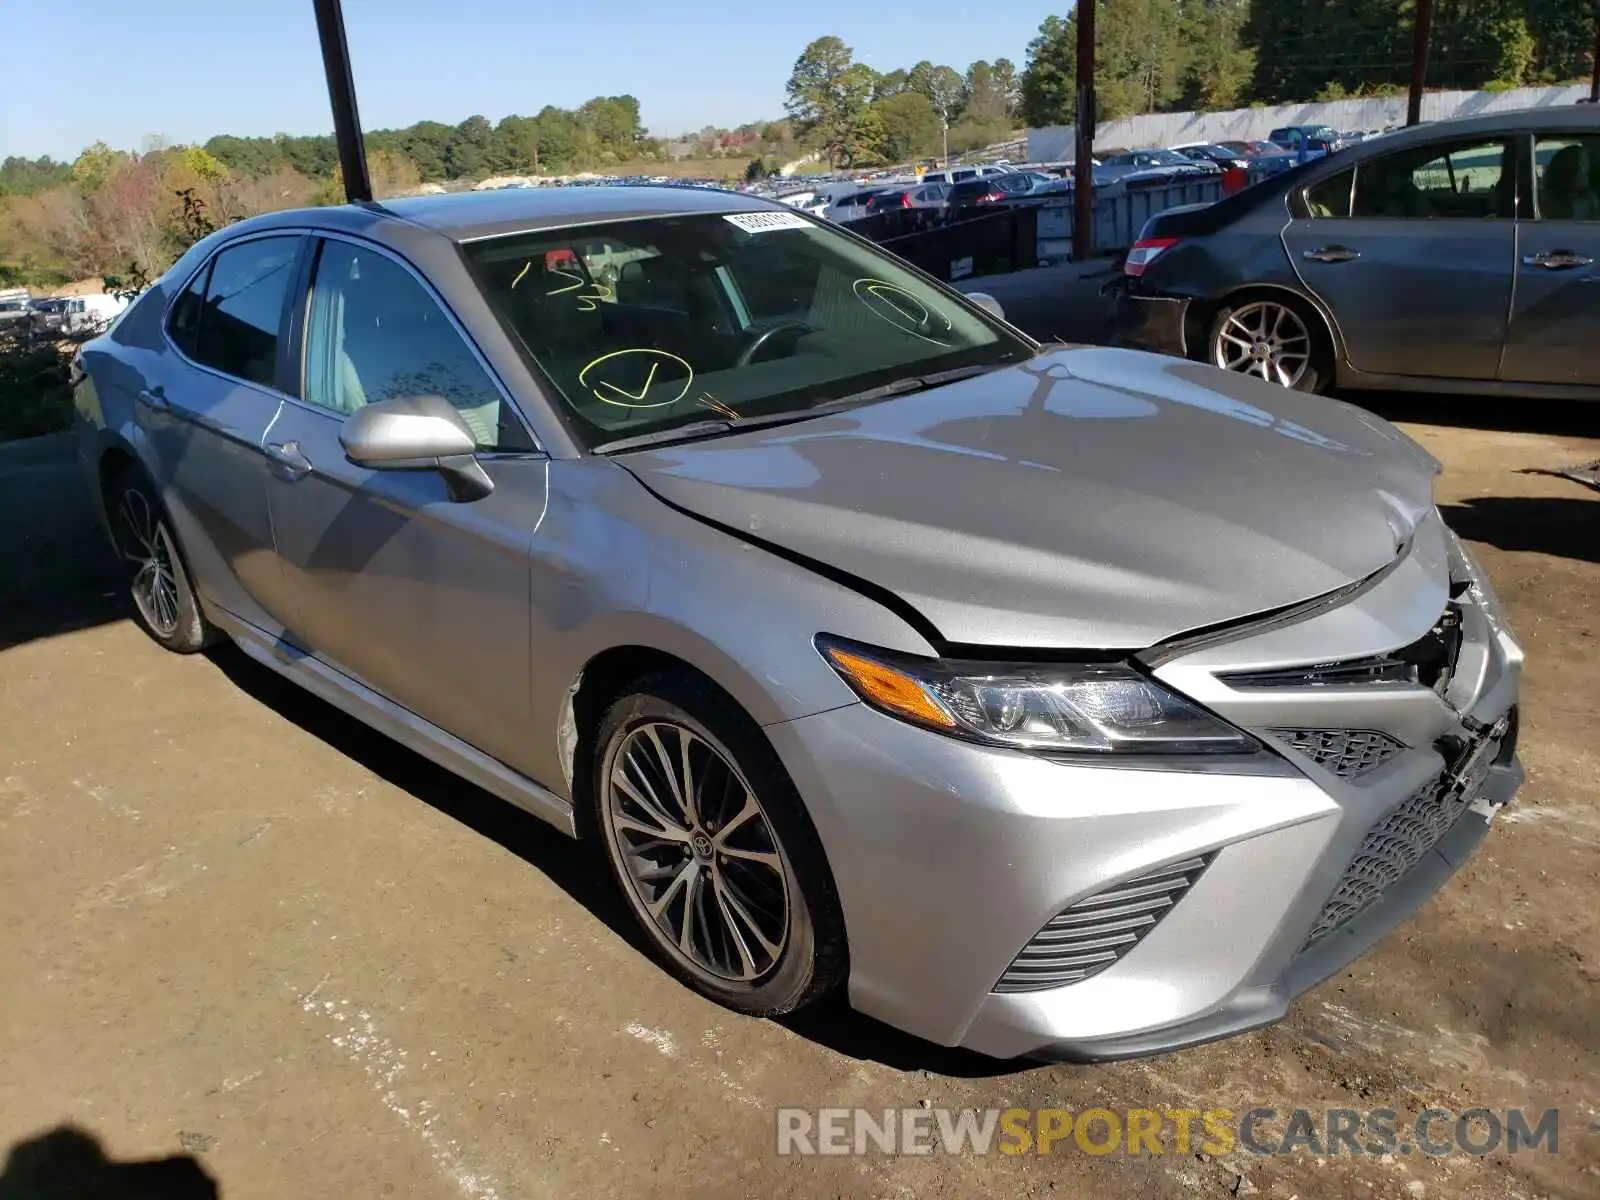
<point>1145,251</point>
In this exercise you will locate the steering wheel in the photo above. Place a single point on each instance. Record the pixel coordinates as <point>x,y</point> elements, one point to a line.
<point>792,325</point>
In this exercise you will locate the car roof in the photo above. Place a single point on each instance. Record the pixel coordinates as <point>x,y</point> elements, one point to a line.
<point>1546,119</point>
<point>465,216</point>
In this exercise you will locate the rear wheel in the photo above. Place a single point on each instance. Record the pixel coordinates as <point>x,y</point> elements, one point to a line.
<point>713,851</point>
<point>1278,340</point>
<point>164,601</point>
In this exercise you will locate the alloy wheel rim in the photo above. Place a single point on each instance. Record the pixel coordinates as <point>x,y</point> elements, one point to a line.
<point>701,858</point>
<point>1264,339</point>
<point>148,546</point>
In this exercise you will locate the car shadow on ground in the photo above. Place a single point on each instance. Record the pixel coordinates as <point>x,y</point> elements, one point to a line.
<point>1565,527</point>
<point>57,571</point>
<point>579,868</point>
<point>1575,418</point>
<point>67,1162</point>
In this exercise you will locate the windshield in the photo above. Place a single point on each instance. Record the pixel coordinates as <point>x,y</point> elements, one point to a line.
<point>1167,158</point>
<point>649,324</point>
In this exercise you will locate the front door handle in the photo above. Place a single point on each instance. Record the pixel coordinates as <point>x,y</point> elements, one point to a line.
<point>155,399</point>
<point>1557,260</point>
<point>1332,254</point>
<point>291,463</point>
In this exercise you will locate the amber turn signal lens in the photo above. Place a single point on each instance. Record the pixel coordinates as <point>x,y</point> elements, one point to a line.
<point>889,689</point>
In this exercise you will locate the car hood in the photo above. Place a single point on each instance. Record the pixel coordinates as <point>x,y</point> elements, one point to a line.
<point>1090,498</point>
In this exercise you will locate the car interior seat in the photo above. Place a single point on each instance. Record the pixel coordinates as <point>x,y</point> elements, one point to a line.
<point>1568,187</point>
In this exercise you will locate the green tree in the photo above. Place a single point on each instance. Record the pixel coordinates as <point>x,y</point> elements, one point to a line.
<point>828,94</point>
<point>890,83</point>
<point>1048,91</point>
<point>910,127</point>
<point>1217,64</point>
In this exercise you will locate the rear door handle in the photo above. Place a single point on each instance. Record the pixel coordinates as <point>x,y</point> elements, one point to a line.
<point>1332,254</point>
<point>1557,260</point>
<point>291,463</point>
<point>155,399</point>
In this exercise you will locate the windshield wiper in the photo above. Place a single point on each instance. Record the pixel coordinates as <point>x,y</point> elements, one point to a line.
<point>703,429</point>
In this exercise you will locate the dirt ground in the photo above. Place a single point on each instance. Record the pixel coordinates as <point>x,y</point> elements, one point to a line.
<point>241,931</point>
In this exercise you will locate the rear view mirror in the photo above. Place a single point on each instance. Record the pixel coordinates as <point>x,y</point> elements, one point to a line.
<point>417,433</point>
<point>988,303</point>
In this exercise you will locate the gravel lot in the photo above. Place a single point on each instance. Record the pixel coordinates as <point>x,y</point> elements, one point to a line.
<point>243,931</point>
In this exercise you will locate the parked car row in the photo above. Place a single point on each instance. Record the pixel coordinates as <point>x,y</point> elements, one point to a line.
<point>26,316</point>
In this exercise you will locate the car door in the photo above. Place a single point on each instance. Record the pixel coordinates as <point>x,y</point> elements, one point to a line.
<point>418,597</point>
<point>205,398</point>
<point>1555,307</point>
<point>1412,252</point>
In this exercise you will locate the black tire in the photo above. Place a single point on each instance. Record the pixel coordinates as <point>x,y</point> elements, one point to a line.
<point>146,542</point>
<point>1317,376</point>
<point>813,958</point>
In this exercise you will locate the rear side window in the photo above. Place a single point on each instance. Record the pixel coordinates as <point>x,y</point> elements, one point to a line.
<point>238,326</point>
<point>1469,178</point>
<point>1331,197</point>
<point>183,326</point>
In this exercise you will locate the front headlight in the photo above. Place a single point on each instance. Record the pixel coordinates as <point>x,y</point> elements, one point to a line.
<point>1105,708</point>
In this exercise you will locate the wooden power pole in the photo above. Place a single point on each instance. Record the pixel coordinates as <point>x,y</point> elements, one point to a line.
<point>342,92</point>
<point>1594,79</point>
<point>1421,37</point>
<point>1083,153</point>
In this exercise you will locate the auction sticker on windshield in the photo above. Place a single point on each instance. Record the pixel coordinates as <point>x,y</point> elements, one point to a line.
<point>765,222</point>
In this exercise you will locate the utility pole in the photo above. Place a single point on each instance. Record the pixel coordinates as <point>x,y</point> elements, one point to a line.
<point>1421,36</point>
<point>1083,154</point>
<point>342,94</point>
<point>944,125</point>
<point>1594,81</point>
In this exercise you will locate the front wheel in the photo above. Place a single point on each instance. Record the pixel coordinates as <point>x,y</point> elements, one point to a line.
<point>1276,340</point>
<point>713,851</point>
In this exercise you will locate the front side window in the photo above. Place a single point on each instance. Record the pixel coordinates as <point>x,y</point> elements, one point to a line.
<point>1456,179</point>
<point>239,322</point>
<point>374,333</point>
<point>1566,171</point>
<point>713,316</point>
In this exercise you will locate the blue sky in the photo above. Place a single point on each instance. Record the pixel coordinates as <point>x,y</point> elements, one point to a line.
<point>119,70</point>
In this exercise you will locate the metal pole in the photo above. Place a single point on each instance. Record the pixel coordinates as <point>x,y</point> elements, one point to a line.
<point>944,122</point>
<point>1594,81</point>
<point>1421,36</point>
<point>342,93</point>
<point>1083,154</point>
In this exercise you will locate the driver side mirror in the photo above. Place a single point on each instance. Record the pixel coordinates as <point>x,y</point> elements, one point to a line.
<point>988,303</point>
<point>417,433</point>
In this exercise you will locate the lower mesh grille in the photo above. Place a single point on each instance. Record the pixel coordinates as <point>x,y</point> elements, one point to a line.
<point>1345,752</point>
<point>1390,850</point>
<point>1094,933</point>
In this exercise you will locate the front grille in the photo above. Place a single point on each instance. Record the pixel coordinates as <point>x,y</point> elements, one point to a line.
<point>1429,661</point>
<point>1345,752</point>
<point>1390,850</point>
<point>1094,933</point>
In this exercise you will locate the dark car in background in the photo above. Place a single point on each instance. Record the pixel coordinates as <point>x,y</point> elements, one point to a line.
<point>1152,165</point>
<point>1217,155</point>
<point>49,314</point>
<point>975,193</point>
<point>1250,148</point>
<point>927,195</point>
<point>1307,140</point>
<point>1455,256</point>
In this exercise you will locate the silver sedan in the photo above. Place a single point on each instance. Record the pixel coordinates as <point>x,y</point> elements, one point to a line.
<point>1077,702</point>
